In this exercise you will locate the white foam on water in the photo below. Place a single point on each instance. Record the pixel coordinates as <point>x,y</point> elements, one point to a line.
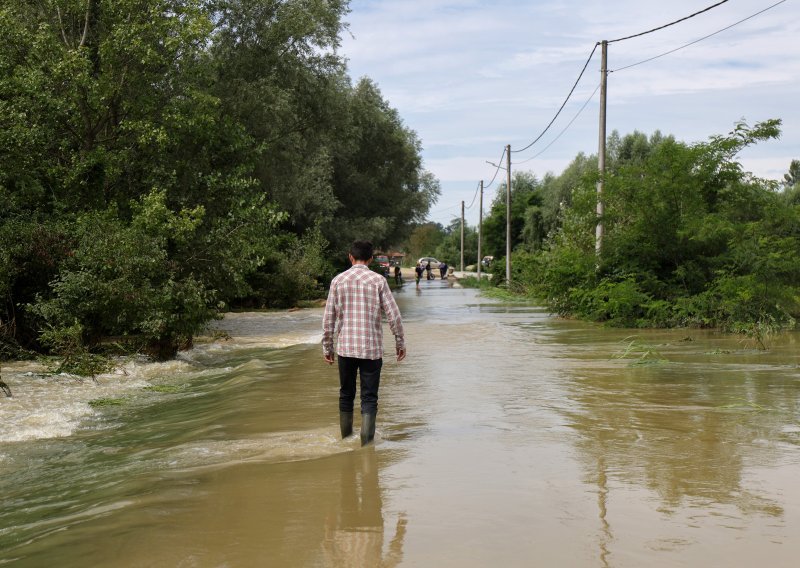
<point>266,329</point>
<point>275,447</point>
<point>53,406</point>
<point>46,406</point>
<point>255,342</point>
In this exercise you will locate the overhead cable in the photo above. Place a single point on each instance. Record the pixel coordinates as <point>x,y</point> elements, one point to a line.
<point>442,210</point>
<point>496,170</point>
<point>667,25</point>
<point>543,150</point>
<point>697,40</point>
<point>562,104</point>
<point>474,196</point>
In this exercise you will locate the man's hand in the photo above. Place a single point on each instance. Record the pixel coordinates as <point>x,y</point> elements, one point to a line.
<point>401,354</point>
<point>328,358</point>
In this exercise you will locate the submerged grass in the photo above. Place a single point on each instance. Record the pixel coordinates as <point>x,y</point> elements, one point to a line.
<point>101,402</point>
<point>747,404</point>
<point>641,353</point>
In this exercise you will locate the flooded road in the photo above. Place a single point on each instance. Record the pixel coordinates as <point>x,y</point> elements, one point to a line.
<point>506,438</point>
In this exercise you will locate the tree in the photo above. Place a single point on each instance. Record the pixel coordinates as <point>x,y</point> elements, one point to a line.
<point>219,147</point>
<point>377,175</point>
<point>691,239</point>
<point>102,105</point>
<point>525,193</point>
<point>424,240</point>
<point>791,184</point>
<point>792,178</point>
<point>449,250</point>
<point>557,191</point>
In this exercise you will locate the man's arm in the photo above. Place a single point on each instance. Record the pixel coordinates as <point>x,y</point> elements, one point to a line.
<point>329,326</point>
<point>395,320</point>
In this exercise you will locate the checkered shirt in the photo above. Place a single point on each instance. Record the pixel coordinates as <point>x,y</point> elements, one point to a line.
<point>353,314</point>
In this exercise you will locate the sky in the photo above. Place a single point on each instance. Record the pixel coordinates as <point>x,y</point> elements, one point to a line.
<point>471,76</point>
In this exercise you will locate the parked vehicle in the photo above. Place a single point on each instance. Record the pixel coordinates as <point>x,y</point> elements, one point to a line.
<point>487,260</point>
<point>380,264</point>
<point>426,259</point>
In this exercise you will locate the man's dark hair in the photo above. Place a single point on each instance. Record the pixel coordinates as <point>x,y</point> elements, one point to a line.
<point>361,250</point>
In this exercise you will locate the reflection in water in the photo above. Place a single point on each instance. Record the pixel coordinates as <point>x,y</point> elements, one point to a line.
<point>657,427</point>
<point>681,430</point>
<point>602,504</point>
<point>354,531</point>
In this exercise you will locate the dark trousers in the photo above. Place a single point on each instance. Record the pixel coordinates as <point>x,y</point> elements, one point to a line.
<point>370,371</point>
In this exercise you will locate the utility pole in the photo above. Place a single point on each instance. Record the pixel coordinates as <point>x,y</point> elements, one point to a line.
<point>508,214</point>
<point>480,233</point>
<point>601,150</point>
<point>462,236</point>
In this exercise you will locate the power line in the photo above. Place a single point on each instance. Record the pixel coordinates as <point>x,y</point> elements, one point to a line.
<point>442,209</point>
<point>543,150</point>
<point>564,103</point>
<point>590,58</point>
<point>569,95</point>
<point>474,196</point>
<point>669,24</point>
<point>496,170</point>
<point>697,40</point>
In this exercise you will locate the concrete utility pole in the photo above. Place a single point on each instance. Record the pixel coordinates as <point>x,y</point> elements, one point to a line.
<point>462,236</point>
<point>480,233</point>
<point>601,150</point>
<point>508,213</point>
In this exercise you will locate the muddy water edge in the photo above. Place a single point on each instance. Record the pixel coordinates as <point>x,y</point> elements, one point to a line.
<point>507,437</point>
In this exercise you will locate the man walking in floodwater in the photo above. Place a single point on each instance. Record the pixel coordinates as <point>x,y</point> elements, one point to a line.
<point>356,299</point>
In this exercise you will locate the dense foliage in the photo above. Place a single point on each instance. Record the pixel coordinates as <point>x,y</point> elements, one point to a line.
<point>162,160</point>
<point>690,237</point>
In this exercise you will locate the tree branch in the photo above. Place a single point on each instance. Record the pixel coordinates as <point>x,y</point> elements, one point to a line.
<point>61,25</point>
<point>86,23</point>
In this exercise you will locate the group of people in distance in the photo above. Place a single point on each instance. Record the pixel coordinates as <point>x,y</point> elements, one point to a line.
<point>419,269</point>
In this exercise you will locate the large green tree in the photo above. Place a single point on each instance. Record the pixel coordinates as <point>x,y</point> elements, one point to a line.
<point>526,215</point>
<point>162,159</point>
<point>378,179</point>
<point>102,105</point>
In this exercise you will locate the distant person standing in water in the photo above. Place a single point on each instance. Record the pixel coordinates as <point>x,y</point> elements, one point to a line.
<point>419,270</point>
<point>356,299</point>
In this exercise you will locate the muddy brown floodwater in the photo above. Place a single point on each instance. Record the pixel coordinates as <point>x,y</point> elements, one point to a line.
<point>507,438</point>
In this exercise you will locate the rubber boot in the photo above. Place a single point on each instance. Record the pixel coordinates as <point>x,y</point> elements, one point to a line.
<point>367,428</point>
<point>346,423</point>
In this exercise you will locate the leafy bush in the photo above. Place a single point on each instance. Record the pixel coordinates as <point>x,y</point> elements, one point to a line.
<point>618,303</point>
<point>67,343</point>
<point>122,280</point>
<point>286,278</point>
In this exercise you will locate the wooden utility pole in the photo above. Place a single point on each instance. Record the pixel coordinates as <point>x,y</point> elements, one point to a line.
<point>508,214</point>
<point>462,236</point>
<point>601,150</point>
<point>480,233</point>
